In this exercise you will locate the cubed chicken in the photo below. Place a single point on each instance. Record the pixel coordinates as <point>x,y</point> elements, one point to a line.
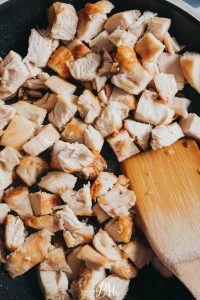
<point>126,59</point>
<point>120,229</point>
<point>47,102</point>
<point>140,25</point>
<point>32,252</point>
<point>99,82</point>
<point>151,67</point>
<point>6,179</point>
<point>163,136</point>
<point>123,145</point>
<point>57,148</point>
<point>57,182</point>
<point>93,139</point>
<point>44,203</point>
<point>42,141</point>
<point>4,210</point>
<point>43,222</point>
<point>100,214</point>
<point>171,44</point>
<point>60,86</point>
<point>102,184</point>
<point>2,252</point>
<point>55,261</point>
<point>7,113</point>
<point>74,131</point>
<point>124,269</point>
<point>9,158</point>
<point>180,106</point>
<point>63,21</point>
<point>191,126</point>
<point>122,37</point>
<point>64,109</point>
<point>106,65</point>
<point>101,43</point>
<point>118,95</point>
<point>78,48</point>
<point>166,86</point>
<point>190,65</point>
<point>89,106</point>
<point>14,234</point>
<point>161,268</point>
<point>158,27</point>
<point>74,239</point>
<point>74,263</point>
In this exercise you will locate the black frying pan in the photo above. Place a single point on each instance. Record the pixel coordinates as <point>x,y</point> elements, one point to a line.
<point>17,17</point>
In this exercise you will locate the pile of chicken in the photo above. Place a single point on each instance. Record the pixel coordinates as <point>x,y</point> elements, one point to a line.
<point>130,74</point>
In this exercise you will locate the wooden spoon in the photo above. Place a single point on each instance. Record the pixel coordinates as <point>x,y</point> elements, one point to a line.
<point>167,186</point>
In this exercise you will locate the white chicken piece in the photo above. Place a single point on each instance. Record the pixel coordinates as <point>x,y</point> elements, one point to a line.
<point>18,201</point>
<point>42,141</point>
<point>139,26</point>
<point>140,132</point>
<point>120,229</point>
<point>9,158</point>
<point>171,44</point>
<point>105,68</point>
<point>170,64</point>
<point>7,113</point>
<point>47,102</point>
<point>123,37</point>
<point>43,203</point>
<point>93,139</point>
<point>40,48</point>
<point>18,132</point>
<point>158,27</point>
<point>79,201</point>
<point>6,179</point>
<point>13,74</point>
<point>31,112</point>
<point>166,86</point>
<point>161,268</point>
<point>111,118</point>
<point>4,210</point>
<point>57,148</point>
<point>60,86</point>
<point>152,111</point>
<point>30,168</point>
<point>14,234</point>
<point>118,95</point>
<point>74,131</point>
<point>32,69</point>
<point>100,82</point>
<point>63,21</point>
<point>191,126</point>
<point>102,184</point>
<point>43,222</point>
<point>112,288</point>
<point>78,48</point>
<point>55,261</point>
<point>180,106</point>
<point>101,43</point>
<point>151,67</point>
<point>163,136</point>
<point>32,252</point>
<point>124,200</point>
<point>74,263</point>
<point>149,47</point>
<point>100,214</point>
<point>190,65</point>
<point>57,182</point>
<point>85,68</point>
<point>64,109</point>
<point>89,106</point>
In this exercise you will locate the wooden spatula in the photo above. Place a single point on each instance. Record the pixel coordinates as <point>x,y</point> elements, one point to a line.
<point>167,186</point>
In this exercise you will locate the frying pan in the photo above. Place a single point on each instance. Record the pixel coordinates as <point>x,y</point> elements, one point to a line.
<point>17,17</point>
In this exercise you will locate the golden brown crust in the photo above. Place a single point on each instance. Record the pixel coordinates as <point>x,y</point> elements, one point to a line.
<point>8,197</point>
<point>126,58</point>
<point>43,222</point>
<point>120,229</point>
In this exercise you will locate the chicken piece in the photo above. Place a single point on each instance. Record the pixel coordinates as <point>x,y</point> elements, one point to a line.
<point>171,44</point>
<point>44,222</point>
<point>120,230</point>
<point>89,106</point>
<point>151,111</point>
<point>57,182</point>
<point>111,118</point>
<point>105,94</point>
<point>42,141</point>
<point>158,27</point>
<point>74,239</point>
<point>93,139</point>
<point>122,145</point>
<point>79,201</point>
<point>74,263</point>
<point>166,86</point>
<point>18,201</point>
<point>170,64</point>
<point>78,48</point>
<point>101,43</point>
<point>151,67</point>
<point>106,66</point>
<point>18,132</point>
<point>58,61</point>
<point>9,158</point>
<point>13,74</point>
<point>85,68</point>
<point>161,268</point>
<point>30,168</point>
<point>140,132</point>
<point>57,148</point>
<point>32,252</point>
<point>191,126</point>
<point>190,65</point>
<point>102,184</point>
<point>118,286</point>
<point>47,102</point>
<point>14,233</point>
<point>124,200</point>
<point>6,179</point>
<point>100,82</point>
<point>123,97</point>
<point>124,269</point>
<point>55,261</point>
<point>40,48</point>
<point>32,69</point>
<point>121,20</point>
<point>180,106</point>
<point>64,109</point>
<point>126,59</point>
<point>7,113</point>
<point>31,112</point>
<point>122,37</point>
<point>163,136</point>
<point>43,203</point>
<point>74,131</point>
<point>139,26</point>
<point>149,47</point>
<point>60,86</point>
<point>100,214</point>
<point>4,210</point>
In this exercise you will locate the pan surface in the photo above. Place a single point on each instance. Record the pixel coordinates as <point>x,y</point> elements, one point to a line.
<point>17,17</point>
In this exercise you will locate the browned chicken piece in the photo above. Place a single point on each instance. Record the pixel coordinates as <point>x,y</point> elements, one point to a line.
<point>101,43</point>
<point>60,86</point>
<point>124,269</point>
<point>74,263</point>
<point>47,102</point>
<point>74,239</point>
<point>127,59</point>
<point>74,131</point>
<point>7,113</point>
<point>102,184</point>
<point>32,252</point>
<point>44,203</point>
<point>43,222</point>
<point>58,61</point>
<point>120,229</point>
<point>89,106</point>
<point>122,37</point>
<point>6,179</point>
<point>159,26</point>
<point>4,210</point>
<point>100,214</point>
<point>78,48</point>
<point>9,158</point>
<point>93,139</point>
<point>118,95</point>
<point>55,261</point>
<point>14,234</point>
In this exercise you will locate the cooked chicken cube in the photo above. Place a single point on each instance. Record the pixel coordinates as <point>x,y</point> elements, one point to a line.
<point>151,67</point>
<point>7,113</point>
<point>78,48</point>
<point>55,261</point>
<point>74,263</point>
<point>166,86</point>
<point>161,268</point>
<point>100,214</point>
<point>57,182</point>
<point>18,132</point>
<point>31,112</point>
<point>159,26</point>
<point>42,141</point>
<point>4,210</point>
<point>93,139</point>
<point>101,43</point>
<point>152,111</point>
<point>14,233</point>
<point>100,82</point>
<point>105,68</point>
<point>102,184</point>
<point>32,252</point>
<point>163,136</point>
<point>89,106</point>
<point>85,68</point>
<point>124,269</point>
<point>44,222</point>
<point>63,21</point>
<point>191,126</point>
<point>139,26</point>
<point>6,179</point>
<point>171,44</point>
<point>47,102</point>
<point>18,200</point>
<point>57,148</point>
<point>123,146</point>
<point>43,203</point>
<point>190,65</point>
<point>32,69</point>
<point>9,158</point>
<point>118,95</point>
<point>122,37</point>
<point>60,86</point>
<point>64,109</point>
<point>120,230</point>
<point>127,59</point>
<point>180,106</point>
<point>149,47</point>
<point>74,131</point>
<point>124,200</point>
